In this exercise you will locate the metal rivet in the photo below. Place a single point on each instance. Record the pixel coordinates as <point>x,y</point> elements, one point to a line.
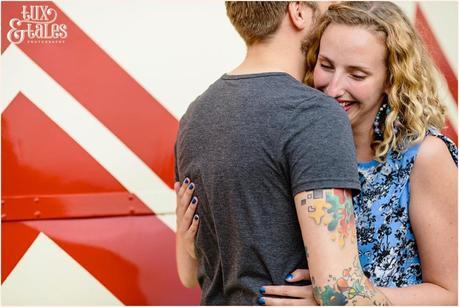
<point>3,202</point>
<point>37,214</point>
<point>36,200</point>
<point>131,210</point>
<point>131,197</point>
<point>3,215</point>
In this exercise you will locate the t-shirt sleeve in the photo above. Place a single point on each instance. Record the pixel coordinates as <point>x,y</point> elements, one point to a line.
<point>319,148</point>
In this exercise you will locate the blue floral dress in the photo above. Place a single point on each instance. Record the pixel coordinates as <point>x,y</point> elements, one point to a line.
<point>387,247</point>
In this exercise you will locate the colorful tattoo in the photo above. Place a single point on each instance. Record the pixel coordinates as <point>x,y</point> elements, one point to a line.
<point>335,211</point>
<point>350,287</point>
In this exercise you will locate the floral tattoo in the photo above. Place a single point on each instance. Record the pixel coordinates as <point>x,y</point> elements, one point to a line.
<point>334,211</point>
<point>349,287</point>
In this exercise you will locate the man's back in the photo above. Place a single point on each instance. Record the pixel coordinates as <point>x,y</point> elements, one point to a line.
<point>244,144</point>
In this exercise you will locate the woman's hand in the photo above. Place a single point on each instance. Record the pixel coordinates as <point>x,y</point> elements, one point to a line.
<point>187,221</point>
<point>293,295</point>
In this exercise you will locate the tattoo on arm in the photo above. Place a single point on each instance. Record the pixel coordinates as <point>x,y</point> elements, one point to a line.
<point>351,287</point>
<point>332,208</point>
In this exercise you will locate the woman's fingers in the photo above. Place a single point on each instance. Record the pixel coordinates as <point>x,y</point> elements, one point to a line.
<point>184,195</point>
<point>185,198</point>
<point>176,187</point>
<point>188,216</point>
<point>296,295</point>
<point>288,291</point>
<point>272,301</point>
<point>180,209</point>
<point>297,275</point>
<point>194,226</point>
<point>190,236</point>
<point>184,186</point>
<point>191,232</point>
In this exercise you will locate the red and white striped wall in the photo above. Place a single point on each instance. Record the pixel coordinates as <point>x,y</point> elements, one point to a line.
<point>89,120</point>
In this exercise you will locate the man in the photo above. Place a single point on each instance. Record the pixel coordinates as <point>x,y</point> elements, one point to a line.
<point>273,164</point>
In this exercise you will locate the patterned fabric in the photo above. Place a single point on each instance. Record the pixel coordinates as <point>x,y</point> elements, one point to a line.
<point>387,247</point>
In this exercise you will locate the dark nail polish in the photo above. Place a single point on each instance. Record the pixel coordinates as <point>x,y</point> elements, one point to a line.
<point>289,276</point>
<point>262,290</point>
<point>261,300</point>
<point>194,200</point>
<point>191,186</point>
<point>186,181</point>
<point>196,217</point>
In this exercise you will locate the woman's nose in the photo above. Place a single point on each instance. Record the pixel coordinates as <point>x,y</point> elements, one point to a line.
<point>335,87</point>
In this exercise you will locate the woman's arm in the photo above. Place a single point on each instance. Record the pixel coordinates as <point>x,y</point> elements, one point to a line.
<point>187,226</point>
<point>433,216</point>
<point>422,294</point>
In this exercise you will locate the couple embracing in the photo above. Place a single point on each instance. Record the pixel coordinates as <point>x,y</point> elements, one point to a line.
<point>315,172</point>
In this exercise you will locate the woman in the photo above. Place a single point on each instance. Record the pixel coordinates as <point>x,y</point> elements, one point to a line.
<point>369,58</point>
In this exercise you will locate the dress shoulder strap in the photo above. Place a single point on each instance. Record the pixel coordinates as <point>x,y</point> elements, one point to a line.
<point>449,143</point>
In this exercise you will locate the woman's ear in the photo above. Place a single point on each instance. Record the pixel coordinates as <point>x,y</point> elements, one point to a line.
<point>386,89</point>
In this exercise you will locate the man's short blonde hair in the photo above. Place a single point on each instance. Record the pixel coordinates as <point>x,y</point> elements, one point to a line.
<point>257,21</point>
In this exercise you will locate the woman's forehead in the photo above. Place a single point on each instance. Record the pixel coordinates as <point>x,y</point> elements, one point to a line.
<point>352,45</point>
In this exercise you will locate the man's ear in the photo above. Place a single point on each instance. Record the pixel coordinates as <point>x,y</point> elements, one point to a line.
<point>300,14</point>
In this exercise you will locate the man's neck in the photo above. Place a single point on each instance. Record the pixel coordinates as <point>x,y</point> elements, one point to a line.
<point>261,58</point>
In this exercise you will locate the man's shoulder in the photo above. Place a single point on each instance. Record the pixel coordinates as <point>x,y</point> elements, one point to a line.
<point>209,95</point>
<point>276,93</point>
<point>314,98</point>
<point>311,103</point>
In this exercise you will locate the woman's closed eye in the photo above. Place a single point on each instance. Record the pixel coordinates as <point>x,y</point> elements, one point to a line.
<point>358,77</point>
<point>326,66</point>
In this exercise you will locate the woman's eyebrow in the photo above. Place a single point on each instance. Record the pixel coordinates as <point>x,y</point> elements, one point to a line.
<point>351,67</point>
<point>323,57</point>
<point>361,68</point>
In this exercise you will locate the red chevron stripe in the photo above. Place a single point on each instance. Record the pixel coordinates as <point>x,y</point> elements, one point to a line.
<point>422,25</point>
<point>16,239</point>
<point>90,75</point>
<point>39,158</point>
<point>137,269</point>
<point>433,47</point>
<point>46,153</point>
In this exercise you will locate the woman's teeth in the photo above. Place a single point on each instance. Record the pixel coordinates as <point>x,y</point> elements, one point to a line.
<point>345,104</point>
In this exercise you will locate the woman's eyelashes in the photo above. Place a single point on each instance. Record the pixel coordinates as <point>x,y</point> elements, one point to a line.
<point>358,76</point>
<point>326,66</point>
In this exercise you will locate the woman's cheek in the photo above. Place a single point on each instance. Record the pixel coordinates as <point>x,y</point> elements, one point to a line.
<point>363,90</point>
<point>319,78</point>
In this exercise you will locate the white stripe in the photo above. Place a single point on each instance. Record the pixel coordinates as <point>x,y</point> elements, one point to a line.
<point>447,99</point>
<point>47,275</point>
<point>442,19</point>
<point>25,76</point>
<point>159,63</point>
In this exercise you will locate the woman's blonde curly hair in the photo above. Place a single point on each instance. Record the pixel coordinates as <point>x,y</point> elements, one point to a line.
<point>412,94</point>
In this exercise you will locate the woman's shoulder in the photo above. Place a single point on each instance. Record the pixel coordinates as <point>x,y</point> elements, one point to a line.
<point>435,150</point>
<point>434,173</point>
<point>432,148</point>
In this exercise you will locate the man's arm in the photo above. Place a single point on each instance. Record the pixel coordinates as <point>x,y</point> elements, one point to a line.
<point>328,228</point>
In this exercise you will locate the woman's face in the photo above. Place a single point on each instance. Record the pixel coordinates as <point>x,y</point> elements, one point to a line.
<point>351,68</point>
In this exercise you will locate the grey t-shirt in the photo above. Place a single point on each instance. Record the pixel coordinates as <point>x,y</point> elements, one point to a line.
<point>250,143</point>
